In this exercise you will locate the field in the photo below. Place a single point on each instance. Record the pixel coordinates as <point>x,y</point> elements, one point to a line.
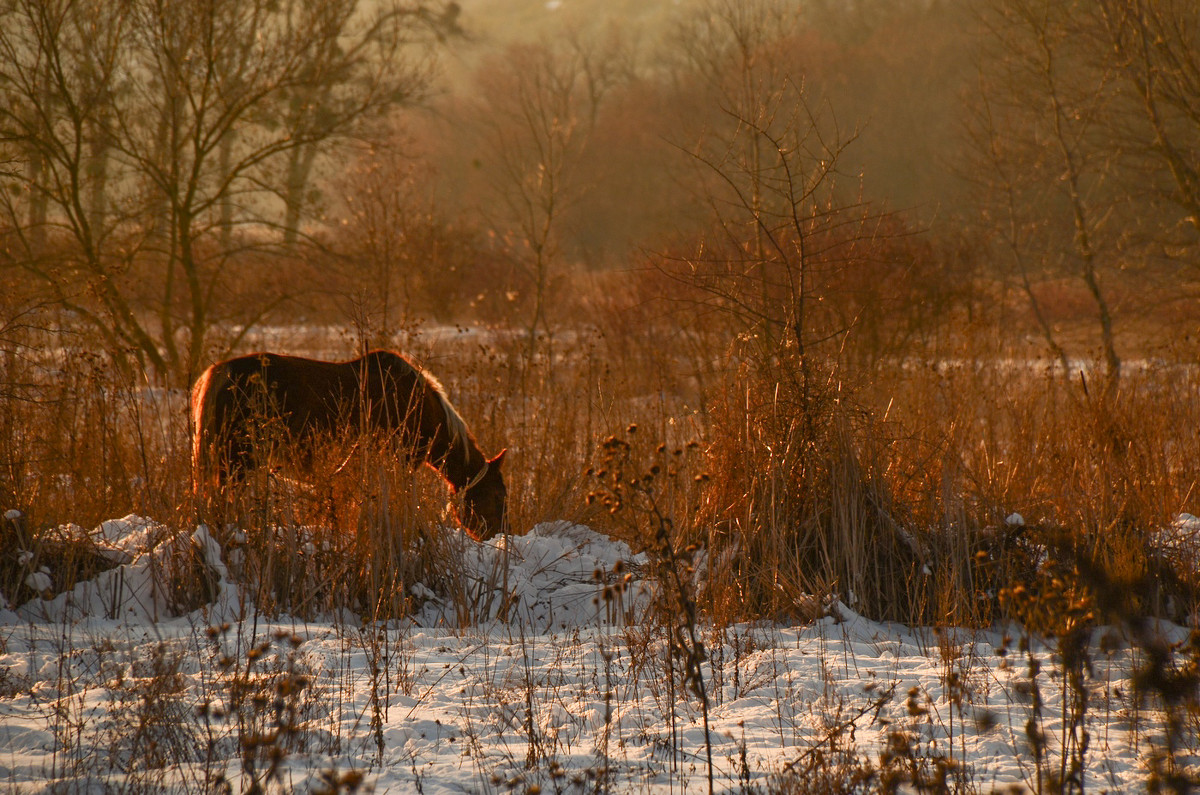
<point>577,690</point>
<point>839,361</point>
<point>625,637</point>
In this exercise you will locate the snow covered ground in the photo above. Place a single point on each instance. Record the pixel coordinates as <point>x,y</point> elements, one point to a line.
<point>103,690</point>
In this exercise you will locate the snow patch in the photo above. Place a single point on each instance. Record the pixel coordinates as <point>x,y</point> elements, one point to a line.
<point>551,665</point>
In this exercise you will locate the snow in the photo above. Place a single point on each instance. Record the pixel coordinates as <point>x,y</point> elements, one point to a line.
<point>551,687</point>
<point>39,580</point>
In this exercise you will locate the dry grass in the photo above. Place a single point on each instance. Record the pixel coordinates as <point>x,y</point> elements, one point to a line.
<point>892,499</point>
<point>888,488</point>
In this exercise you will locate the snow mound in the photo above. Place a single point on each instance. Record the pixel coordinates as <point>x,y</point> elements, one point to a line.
<point>558,575</point>
<point>159,574</point>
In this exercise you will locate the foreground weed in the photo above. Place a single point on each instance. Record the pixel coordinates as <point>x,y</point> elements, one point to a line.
<point>644,497</point>
<point>1075,592</point>
<point>834,765</point>
<point>264,699</point>
<point>1060,609</point>
<point>389,670</point>
<point>148,728</point>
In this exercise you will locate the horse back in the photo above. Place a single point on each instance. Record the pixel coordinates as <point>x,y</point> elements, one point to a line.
<point>381,391</point>
<point>308,395</point>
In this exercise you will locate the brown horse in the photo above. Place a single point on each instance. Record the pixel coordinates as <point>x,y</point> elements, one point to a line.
<point>381,391</point>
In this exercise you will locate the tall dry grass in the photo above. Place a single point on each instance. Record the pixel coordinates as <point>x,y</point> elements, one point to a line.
<point>1109,470</point>
<point>893,489</point>
<point>81,441</point>
<point>886,487</point>
<point>758,490</point>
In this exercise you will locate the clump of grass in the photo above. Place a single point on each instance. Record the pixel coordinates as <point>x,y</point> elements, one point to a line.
<point>989,438</point>
<point>800,503</point>
<point>83,441</point>
<point>893,494</point>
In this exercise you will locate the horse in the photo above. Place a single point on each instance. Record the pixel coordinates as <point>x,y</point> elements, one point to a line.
<point>234,400</point>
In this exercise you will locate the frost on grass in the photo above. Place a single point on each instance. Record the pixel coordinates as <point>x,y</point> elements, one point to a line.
<point>112,686</point>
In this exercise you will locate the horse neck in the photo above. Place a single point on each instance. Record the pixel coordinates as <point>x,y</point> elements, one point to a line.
<point>461,462</point>
<point>452,448</point>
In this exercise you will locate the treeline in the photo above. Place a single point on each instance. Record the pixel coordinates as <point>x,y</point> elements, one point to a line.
<point>852,181</point>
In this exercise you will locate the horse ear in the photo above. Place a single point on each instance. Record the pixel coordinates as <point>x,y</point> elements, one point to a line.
<point>498,459</point>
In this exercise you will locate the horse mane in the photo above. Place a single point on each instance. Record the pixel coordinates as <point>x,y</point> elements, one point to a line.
<point>456,426</point>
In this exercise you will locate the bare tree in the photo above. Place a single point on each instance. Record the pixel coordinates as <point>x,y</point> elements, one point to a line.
<point>537,107</point>
<point>385,216</point>
<point>787,226</point>
<point>160,140</point>
<point>1047,176</point>
<point>790,261</point>
<point>1086,131</point>
<point>1154,48</point>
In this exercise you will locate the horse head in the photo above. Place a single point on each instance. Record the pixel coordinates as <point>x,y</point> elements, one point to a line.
<point>484,497</point>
